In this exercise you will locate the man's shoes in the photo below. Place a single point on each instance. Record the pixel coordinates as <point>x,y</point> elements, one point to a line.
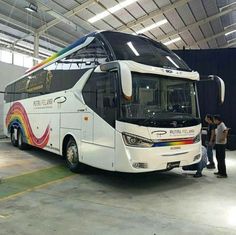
<point>222,176</point>
<point>216,173</point>
<point>211,166</point>
<point>197,175</point>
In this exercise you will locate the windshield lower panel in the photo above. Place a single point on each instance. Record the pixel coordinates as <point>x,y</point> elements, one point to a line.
<point>161,101</point>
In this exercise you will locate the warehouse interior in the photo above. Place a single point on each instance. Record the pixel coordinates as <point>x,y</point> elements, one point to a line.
<point>40,195</point>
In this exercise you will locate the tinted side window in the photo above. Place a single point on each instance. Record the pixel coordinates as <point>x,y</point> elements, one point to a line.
<point>9,92</point>
<point>43,82</point>
<point>54,80</point>
<point>20,91</point>
<point>7,95</point>
<point>62,74</point>
<point>100,95</point>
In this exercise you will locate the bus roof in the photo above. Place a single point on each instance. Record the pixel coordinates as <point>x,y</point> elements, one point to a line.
<point>61,52</point>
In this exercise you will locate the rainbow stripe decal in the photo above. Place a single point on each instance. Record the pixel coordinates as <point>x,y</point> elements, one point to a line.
<point>17,117</point>
<point>173,143</point>
<point>63,51</point>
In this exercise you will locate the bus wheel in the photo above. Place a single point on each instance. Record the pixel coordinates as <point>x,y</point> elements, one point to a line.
<point>21,144</point>
<point>72,157</point>
<point>13,139</point>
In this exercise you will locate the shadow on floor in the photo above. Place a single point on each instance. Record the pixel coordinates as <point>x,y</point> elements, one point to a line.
<point>140,182</point>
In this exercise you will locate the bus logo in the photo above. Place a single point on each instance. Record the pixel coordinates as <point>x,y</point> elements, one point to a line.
<point>159,133</point>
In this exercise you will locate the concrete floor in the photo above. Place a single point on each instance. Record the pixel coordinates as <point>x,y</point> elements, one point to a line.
<point>100,202</point>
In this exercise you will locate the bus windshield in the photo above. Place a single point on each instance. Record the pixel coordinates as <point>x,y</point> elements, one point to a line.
<point>161,101</point>
<point>143,50</point>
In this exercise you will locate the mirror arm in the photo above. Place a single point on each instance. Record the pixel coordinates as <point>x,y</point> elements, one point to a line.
<point>220,84</point>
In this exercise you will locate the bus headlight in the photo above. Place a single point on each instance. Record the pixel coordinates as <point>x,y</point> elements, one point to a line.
<point>136,141</point>
<point>197,138</point>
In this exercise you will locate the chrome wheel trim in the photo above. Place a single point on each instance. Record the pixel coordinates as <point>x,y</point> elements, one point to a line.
<point>72,154</point>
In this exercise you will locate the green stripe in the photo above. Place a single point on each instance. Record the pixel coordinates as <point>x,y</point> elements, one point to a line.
<point>28,181</point>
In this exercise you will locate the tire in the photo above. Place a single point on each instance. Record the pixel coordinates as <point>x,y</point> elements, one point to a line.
<point>14,141</point>
<point>72,157</point>
<point>21,144</point>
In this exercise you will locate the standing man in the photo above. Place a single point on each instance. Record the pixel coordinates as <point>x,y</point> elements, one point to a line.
<point>221,139</point>
<point>210,140</point>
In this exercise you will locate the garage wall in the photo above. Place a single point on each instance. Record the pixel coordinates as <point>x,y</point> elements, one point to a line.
<point>221,62</point>
<point>8,73</point>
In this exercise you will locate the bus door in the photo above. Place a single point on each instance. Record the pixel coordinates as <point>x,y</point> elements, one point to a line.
<point>98,125</point>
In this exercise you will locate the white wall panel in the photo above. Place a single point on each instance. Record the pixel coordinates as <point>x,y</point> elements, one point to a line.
<point>8,73</point>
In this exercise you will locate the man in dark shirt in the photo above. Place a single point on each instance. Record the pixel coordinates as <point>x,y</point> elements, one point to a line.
<point>210,140</point>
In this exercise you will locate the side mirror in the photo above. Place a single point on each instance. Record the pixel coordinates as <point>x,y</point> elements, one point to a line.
<point>126,80</point>
<point>221,87</point>
<point>220,84</point>
<point>125,75</point>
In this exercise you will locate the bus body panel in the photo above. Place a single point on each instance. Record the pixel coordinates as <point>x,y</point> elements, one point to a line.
<point>98,141</point>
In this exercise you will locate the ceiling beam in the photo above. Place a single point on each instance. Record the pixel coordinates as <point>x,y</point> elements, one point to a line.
<point>16,23</point>
<point>156,13</point>
<point>230,43</point>
<point>30,29</point>
<point>46,35</point>
<point>198,23</point>
<point>229,28</point>
<point>68,14</point>
<point>23,50</point>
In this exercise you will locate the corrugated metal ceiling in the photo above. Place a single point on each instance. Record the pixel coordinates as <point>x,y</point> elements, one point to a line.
<point>181,19</point>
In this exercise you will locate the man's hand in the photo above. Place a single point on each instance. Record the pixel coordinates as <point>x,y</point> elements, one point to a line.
<point>210,143</point>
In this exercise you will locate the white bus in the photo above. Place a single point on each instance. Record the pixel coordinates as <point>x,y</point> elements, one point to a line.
<point>111,100</point>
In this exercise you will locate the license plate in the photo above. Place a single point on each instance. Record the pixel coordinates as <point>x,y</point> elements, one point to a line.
<point>171,165</point>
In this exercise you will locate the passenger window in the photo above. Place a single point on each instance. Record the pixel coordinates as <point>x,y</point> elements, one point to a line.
<point>100,95</point>
<point>60,75</point>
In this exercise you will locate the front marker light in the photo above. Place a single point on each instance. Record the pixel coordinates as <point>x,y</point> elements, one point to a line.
<point>136,141</point>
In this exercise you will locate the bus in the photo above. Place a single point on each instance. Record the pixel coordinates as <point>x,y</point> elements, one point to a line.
<point>111,100</point>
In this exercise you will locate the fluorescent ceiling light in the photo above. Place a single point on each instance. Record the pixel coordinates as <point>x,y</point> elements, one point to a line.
<point>172,41</point>
<point>99,16</point>
<point>31,8</point>
<point>130,44</point>
<point>168,57</point>
<point>111,10</point>
<point>233,31</point>
<point>158,24</point>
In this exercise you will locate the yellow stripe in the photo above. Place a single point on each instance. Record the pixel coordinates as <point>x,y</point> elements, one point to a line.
<point>34,188</point>
<point>28,172</point>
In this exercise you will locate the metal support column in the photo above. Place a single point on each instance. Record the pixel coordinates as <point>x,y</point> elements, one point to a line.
<point>36,47</point>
